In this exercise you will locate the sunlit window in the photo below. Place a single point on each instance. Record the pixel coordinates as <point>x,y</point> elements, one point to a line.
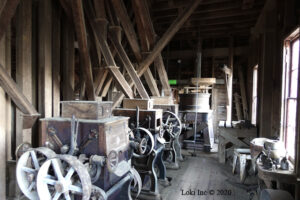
<point>254,96</point>
<point>290,91</point>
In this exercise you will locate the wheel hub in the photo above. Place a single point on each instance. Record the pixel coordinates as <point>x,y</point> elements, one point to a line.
<point>61,187</point>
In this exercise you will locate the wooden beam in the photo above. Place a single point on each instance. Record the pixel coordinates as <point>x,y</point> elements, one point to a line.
<point>2,121</point>
<point>126,89</point>
<point>109,59</point>
<point>8,107</point>
<point>80,29</point>
<point>238,106</point>
<point>243,93</point>
<point>11,88</point>
<point>7,12</point>
<point>128,28</point>
<point>175,26</point>
<point>100,79</point>
<point>101,22</point>
<point>145,27</point>
<point>120,11</point>
<point>213,52</point>
<point>65,4</point>
<point>106,87</point>
<point>115,35</point>
<point>163,76</point>
<point>56,44</point>
<point>68,60</point>
<point>229,79</point>
<point>45,58</point>
<point>24,64</point>
<point>165,39</point>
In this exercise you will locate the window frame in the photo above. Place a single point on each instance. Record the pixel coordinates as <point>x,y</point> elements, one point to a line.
<point>286,88</point>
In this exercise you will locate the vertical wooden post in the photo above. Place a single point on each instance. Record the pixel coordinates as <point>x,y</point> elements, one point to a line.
<point>2,122</point>
<point>229,83</point>
<point>8,111</point>
<point>243,93</point>
<point>45,58</point>
<point>24,64</point>
<point>68,60</point>
<point>80,29</point>
<point>56,59</point>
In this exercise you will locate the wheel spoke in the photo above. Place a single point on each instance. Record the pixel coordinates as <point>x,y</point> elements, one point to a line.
<point>31,186</point>
<point>70,173</point>
<point>168,118</point>
<point>57,169</point>
<point>28,170</point>
<point>75,188</point>
<point>35,160</point>
<point>56,196</point>
<point>49,181</point>
<point>67,196</point>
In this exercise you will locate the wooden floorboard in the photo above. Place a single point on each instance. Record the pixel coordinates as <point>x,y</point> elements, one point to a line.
<point>204,173</point>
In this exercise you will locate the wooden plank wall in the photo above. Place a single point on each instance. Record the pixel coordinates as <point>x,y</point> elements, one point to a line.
<point>23,63</point>
<point>5,114</point>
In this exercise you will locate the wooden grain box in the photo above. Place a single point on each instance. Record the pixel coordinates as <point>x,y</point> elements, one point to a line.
<point>172,107</point>
<point>109,134</point>
<point>162,100</point>
<point>141,103</point>
<point>86,109</point>
<point>154,114</point>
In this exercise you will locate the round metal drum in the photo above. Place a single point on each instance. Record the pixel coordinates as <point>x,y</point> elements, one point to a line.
<point>195,101</point>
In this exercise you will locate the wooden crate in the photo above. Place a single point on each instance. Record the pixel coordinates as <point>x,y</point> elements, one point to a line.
<point>154,114</point>
<point>109,134</point>
<point>86,109</point>
<point>162,100</point>
<point>141,103</point>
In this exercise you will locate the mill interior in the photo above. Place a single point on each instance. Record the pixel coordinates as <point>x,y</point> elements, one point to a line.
<point>149,99</point>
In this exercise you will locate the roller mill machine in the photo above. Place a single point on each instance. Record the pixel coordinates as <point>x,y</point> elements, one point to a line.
<point>83,154</point>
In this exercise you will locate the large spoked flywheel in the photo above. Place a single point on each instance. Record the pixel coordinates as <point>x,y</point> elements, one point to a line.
<point>27,168</point>
<point>145,140</point>
<point>63,177</point>
<point>171,125</point>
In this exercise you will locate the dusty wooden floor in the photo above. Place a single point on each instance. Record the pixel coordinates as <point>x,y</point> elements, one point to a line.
<point>204,173</point>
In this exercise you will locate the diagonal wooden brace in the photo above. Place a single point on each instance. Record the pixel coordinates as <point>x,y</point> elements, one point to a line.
<point>115,32</point>
<point>165,39</point>
<point>15,93</point>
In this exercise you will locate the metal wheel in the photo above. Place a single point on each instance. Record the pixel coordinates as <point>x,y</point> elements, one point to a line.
<point>146,142</point>
<point>22,148</point>
<point>112,161</point>
<point>63,177</point>
<point>137,182</point>
<point>98,193</point>
<point>27,168</point>
<point>171,125</point>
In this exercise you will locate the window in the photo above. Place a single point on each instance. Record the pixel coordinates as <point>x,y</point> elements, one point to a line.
<point>254,96</point>
<point>290,91</point>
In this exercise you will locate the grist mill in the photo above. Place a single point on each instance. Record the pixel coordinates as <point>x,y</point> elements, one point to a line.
<point>149,99</point>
